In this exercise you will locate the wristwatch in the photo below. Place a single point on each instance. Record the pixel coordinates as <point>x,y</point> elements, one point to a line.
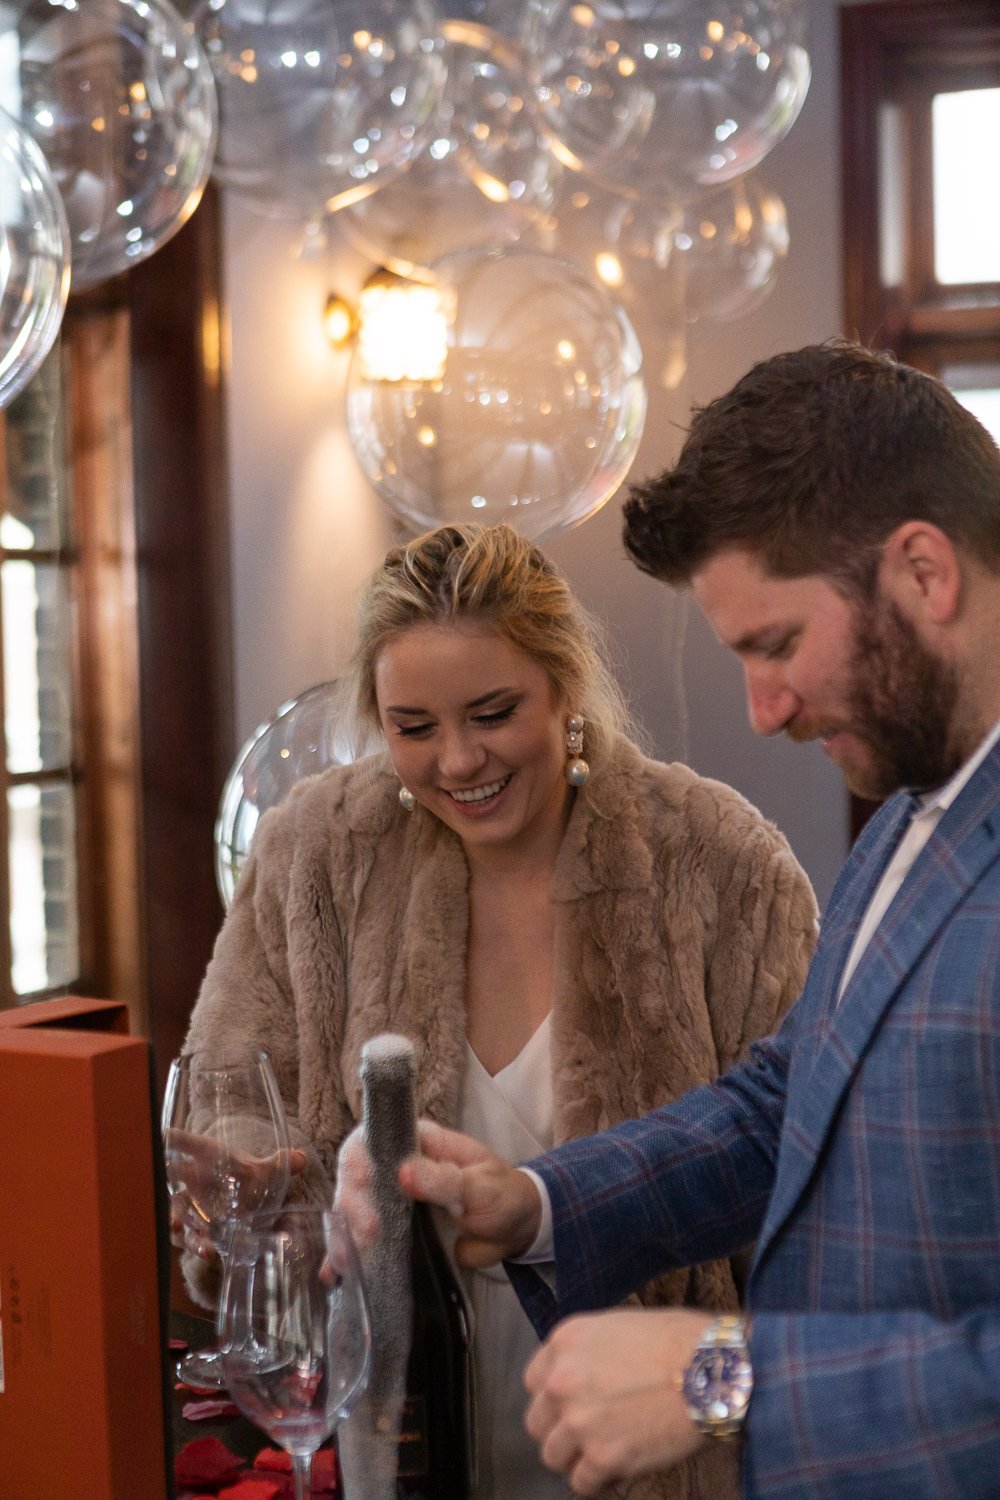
<point>718,1380</point>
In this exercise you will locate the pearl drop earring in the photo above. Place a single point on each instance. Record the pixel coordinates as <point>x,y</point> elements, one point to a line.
<point>576,770</point>
<point>407,801</point>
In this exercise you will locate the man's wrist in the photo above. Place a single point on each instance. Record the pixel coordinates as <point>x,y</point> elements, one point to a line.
<point>717,1382</point>
<point>541,1247</point>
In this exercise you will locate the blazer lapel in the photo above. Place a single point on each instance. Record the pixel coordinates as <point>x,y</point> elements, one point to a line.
<point>965,843</point>
<point>848,903</point>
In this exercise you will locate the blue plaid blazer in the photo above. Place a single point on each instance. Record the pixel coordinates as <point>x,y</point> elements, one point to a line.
<point>860,1149</point>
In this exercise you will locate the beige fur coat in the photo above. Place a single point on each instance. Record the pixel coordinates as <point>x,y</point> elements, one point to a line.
<point>683,925</point>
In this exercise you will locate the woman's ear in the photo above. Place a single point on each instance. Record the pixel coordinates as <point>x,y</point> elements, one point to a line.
<point>921,572</point>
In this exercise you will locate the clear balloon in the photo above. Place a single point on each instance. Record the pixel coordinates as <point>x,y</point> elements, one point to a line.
<point>538,413</point>
<point>120,98</point>
<point>663,97</point>
<point>300,740</point>
<point>34,258</point>
<point>484,173</point>
<point>729,246</point>
<point>624,242</point>
<point>627,245</point>
<point>499,15</point>
<point>320,102</point>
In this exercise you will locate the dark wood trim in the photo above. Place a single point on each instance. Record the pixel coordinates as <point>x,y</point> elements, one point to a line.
<point>109,808</point>
<point>861,78</point>
<point>7,996</point>
<point>183,573</point>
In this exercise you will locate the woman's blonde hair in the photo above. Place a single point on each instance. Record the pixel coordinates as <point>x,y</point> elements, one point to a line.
<point>492,576</point>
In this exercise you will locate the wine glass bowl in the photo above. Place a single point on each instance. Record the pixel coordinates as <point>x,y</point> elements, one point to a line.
<point>294,1328</point>
<point>226,1150</point>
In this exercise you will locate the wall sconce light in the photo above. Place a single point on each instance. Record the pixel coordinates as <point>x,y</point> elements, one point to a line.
<point>401,326</point>
<point>339,320</point>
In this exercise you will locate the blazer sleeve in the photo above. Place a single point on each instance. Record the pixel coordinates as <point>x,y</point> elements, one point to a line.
<point>686,1183</point>
<point>868,1405</point>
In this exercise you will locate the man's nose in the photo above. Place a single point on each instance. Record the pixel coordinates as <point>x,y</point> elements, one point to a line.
<point>771,703</point>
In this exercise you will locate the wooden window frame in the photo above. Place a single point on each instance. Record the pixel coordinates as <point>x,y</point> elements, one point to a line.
<point>905,51</point>
<point>901,53</point>
<point>144,372</point>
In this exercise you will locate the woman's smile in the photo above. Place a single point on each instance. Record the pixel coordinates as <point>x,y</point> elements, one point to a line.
<point>477,796</point>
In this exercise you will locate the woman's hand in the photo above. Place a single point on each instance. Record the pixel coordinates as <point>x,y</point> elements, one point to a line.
<point>201,1155</point>
<point>353,1193</point>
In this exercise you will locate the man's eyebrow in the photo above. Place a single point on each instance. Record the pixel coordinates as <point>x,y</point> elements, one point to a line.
<point>764,636</point>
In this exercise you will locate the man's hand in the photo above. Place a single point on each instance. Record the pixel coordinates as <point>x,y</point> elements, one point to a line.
<point>496,1206</point>
<point>606,1402</point>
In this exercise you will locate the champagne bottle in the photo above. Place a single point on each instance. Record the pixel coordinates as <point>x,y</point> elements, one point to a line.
<point>420,1391</point>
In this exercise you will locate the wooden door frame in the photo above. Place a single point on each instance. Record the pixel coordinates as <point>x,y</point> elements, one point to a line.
<point>183,608</point>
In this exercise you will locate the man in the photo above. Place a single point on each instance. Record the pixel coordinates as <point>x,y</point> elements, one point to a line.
<point>837,517</point>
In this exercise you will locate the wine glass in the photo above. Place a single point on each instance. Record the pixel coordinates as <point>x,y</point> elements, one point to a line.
<point>226,1149</point>
<point>293,1328</point>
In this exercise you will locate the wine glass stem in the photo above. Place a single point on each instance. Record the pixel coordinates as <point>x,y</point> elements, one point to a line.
<point>302,1473</point>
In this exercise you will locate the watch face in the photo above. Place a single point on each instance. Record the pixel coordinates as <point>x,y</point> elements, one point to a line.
<point>718,1382</point>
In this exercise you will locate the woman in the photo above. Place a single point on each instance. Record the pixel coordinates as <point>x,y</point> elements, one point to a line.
<point>570,933</point>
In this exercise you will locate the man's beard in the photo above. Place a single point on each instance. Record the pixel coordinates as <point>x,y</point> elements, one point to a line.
<point>903,705</point>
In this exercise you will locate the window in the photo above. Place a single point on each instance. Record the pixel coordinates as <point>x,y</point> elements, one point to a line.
<point>921,119</point>
<point>114,646</point>
<point>965,129</point>
<point>920,126</point>
<point>40,773</point>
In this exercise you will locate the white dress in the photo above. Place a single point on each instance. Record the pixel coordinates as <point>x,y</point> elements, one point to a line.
<point>512,1114</point>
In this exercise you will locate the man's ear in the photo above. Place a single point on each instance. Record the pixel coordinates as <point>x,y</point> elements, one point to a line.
<point>921,572</point>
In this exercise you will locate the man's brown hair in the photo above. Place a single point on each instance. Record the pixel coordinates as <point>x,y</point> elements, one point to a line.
<point>810,461</point>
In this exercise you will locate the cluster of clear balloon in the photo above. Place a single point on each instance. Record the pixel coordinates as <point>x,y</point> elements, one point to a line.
<point>303,737</point>
<point>109,136</point>
<point>438,132</point>
<point>614,134</point>
<point>622,136</point>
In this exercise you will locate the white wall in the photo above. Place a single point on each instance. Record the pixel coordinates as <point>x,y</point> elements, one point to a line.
<point>307,529</point>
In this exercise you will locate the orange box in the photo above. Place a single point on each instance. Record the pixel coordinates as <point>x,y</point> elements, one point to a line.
<point>74,1011</point>
<point>83,1393</point>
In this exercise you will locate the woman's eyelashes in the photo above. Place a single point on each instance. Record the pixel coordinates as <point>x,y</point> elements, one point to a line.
<point>496,715</point>
<point>485,720</point>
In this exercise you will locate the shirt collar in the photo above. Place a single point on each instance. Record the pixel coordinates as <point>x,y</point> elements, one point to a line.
<point>943,796</point>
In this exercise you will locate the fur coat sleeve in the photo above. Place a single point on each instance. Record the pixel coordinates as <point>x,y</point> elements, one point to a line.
<point>683,930</point>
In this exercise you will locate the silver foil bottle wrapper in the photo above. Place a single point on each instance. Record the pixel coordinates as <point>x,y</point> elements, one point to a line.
<point>368,1441</point>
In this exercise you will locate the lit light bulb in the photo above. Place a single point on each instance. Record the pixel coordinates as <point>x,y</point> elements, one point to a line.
<point>403,329</point>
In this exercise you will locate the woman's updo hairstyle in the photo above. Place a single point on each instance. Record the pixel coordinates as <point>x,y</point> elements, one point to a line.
<point>490,576</point>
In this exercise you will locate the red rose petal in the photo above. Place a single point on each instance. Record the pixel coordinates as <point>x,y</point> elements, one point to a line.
<point>324,1471</point>
<point>254,1489</point>
<point>274,1459</point>
<point>205,1461</point>
<point>211,1410</point>
<point>324,1467</point>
